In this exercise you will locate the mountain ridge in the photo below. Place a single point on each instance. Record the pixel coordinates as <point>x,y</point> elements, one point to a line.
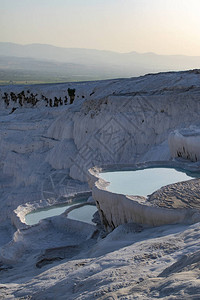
<point>102,64</point>
<point>97,50</point>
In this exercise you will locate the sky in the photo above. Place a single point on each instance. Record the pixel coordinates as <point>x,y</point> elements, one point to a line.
<point>159,26</point>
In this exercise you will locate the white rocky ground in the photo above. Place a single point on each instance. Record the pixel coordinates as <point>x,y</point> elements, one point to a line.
<point>185,143</point>
<point>45,153</point>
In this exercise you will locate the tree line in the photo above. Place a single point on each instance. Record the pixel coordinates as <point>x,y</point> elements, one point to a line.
<point>23,98</point>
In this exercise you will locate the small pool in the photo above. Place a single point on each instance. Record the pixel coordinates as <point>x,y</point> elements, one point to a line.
<point>145,181</point>
<point>84,213</point>
<point>35,216</point>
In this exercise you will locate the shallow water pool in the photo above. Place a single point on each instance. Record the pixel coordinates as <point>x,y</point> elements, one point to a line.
<point>37,215</point>
<point>145,181</point>
<point>84,213</point>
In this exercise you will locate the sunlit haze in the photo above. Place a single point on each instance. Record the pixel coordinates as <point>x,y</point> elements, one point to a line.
<point>160,26</point>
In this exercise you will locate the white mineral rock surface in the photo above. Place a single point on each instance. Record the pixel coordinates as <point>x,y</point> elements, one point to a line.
<point>45,153</point>
<point>185,143</point>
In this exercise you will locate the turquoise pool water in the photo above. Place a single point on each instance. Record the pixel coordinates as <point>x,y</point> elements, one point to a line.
<point>143,182</point>
<point>37,215</point>
<point>84,213</point>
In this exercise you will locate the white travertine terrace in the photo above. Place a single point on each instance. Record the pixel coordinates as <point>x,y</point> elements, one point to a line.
<point>116,209</point>
<point>185,143</point>
<point>45,155</point>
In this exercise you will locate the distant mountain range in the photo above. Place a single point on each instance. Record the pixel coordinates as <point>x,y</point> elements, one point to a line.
<point>46,63</point>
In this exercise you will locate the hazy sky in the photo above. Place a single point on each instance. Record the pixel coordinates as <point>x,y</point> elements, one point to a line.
<point>160,26</point>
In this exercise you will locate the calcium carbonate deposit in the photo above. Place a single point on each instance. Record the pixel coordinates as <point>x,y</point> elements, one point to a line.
<point>54,141</point>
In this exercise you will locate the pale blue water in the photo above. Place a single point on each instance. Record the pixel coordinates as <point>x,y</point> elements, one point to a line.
<point>143,182</point>
<point>84,213</point>
<point>37,215</point>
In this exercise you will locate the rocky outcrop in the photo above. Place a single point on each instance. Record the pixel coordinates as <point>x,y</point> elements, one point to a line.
<point>185,143</point>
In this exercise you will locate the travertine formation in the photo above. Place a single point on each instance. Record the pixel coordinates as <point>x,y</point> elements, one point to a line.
<point>185,143</point>
<point>174,203</point>
<point>45,154</point>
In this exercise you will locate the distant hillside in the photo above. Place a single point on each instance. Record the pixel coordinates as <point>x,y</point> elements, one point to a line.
<point>49,63</point>
<point>29,70</point>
